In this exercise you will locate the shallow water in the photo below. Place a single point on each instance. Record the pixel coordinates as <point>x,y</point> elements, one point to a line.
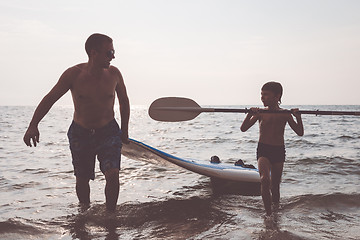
<point>319,193</point>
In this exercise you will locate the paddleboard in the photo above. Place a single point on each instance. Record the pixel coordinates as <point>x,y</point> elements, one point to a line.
<point>220,171</point>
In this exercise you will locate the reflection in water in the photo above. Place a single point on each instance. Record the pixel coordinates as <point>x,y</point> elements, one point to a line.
<point>194,218</point>
<point>180,218</point>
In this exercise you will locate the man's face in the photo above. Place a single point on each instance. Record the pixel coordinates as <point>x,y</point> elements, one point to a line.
<point>105,54</point>
<point>269,98</point>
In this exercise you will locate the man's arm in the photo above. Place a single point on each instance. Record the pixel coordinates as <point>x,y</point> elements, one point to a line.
<point>60,88</point>
<point>124,107</point>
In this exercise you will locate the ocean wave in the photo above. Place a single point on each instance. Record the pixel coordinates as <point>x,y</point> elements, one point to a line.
<point>17,225</point>
<point>35,170</point>
<point>30,184</point>
<point>324,165</point>
<point>324,201</point>
<point>323,216</point>
<point>348,138</point>
<point>303,143</point>
<point>3,181</point>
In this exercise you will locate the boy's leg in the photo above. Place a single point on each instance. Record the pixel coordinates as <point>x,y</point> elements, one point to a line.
<point>264,171</point>
<point>112,188</point>
<point>276,173</point>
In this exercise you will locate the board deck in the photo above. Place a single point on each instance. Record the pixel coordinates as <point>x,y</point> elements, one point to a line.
<point>140,151</point>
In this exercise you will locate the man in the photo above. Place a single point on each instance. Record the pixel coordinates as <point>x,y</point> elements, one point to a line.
<point>94,131</point>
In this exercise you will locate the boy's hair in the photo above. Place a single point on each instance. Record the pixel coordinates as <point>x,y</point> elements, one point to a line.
<point>274,87</point>
<point>95,41</point>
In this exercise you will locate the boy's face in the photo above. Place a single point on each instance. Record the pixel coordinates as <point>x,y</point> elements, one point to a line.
<point>269,98</point>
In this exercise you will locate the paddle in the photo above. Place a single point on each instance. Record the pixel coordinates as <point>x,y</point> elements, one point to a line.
<point>175,109</point>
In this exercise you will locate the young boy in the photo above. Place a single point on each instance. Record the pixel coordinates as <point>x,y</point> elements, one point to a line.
<point>271,147</point>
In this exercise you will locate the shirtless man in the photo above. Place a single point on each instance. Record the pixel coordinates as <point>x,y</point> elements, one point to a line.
<point>94,131</point>
<point>271,147</point>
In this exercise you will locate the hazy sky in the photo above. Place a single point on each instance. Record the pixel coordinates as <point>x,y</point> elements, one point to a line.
<point>215,52</point>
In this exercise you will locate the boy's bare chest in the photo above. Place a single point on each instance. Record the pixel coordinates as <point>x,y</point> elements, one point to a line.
<point>272,121</point>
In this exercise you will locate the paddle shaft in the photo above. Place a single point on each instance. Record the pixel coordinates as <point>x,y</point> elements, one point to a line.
<point>246,110</point>
<point>316,112</point>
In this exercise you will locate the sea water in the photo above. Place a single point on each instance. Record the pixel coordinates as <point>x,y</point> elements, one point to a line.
<point>320,188</point>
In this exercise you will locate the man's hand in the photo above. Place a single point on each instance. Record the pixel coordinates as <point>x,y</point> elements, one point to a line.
<point>33,134</point>
<point>125,138</point>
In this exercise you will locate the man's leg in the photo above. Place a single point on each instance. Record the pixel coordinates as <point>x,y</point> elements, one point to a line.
<point>264,171</point>
<point>112,188</point>
<point>83,190</point>
<point>276,173</point>
<point>83,160</point>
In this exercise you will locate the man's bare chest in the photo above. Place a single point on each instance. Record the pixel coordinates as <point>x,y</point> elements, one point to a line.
<point>96,89</point>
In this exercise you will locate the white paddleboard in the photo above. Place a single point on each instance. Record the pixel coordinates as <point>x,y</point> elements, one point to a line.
<point>224,171</point>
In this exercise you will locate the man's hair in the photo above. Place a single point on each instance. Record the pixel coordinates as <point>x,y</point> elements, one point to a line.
<point>273,87</point>
<point>95,41</point>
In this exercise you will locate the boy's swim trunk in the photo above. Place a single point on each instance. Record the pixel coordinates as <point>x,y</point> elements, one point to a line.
<point>275,154</point>
<point>86,144</point>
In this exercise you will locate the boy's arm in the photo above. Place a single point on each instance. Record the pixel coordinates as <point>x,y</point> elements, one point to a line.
<point>298,125</point>
<point>250,119</point>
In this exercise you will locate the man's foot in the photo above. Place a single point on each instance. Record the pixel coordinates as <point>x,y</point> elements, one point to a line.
<point>83,207</point>
<point>110,209</point>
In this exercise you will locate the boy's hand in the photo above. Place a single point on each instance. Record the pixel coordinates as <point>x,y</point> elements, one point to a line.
<point>254,111</point>
<point>295,112</point>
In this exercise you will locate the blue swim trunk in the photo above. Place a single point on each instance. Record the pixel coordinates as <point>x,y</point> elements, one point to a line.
<point>275,154</point>
<point>86,144</point>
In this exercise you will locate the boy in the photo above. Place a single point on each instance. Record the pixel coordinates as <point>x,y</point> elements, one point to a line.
<point>271,147</point>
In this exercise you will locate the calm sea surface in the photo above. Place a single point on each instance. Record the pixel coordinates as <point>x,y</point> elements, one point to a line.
<point>320,190</point>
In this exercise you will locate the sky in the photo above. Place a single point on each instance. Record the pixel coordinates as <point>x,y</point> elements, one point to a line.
<point>217,52</point>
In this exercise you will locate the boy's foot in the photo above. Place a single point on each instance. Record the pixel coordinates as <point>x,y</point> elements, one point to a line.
<point>270,221</point>
<point>275,206</point>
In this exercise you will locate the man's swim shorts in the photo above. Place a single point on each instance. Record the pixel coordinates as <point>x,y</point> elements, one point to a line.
<point>86,144</point>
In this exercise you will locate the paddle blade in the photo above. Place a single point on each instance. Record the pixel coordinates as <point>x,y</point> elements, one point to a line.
<point>174,109</point>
